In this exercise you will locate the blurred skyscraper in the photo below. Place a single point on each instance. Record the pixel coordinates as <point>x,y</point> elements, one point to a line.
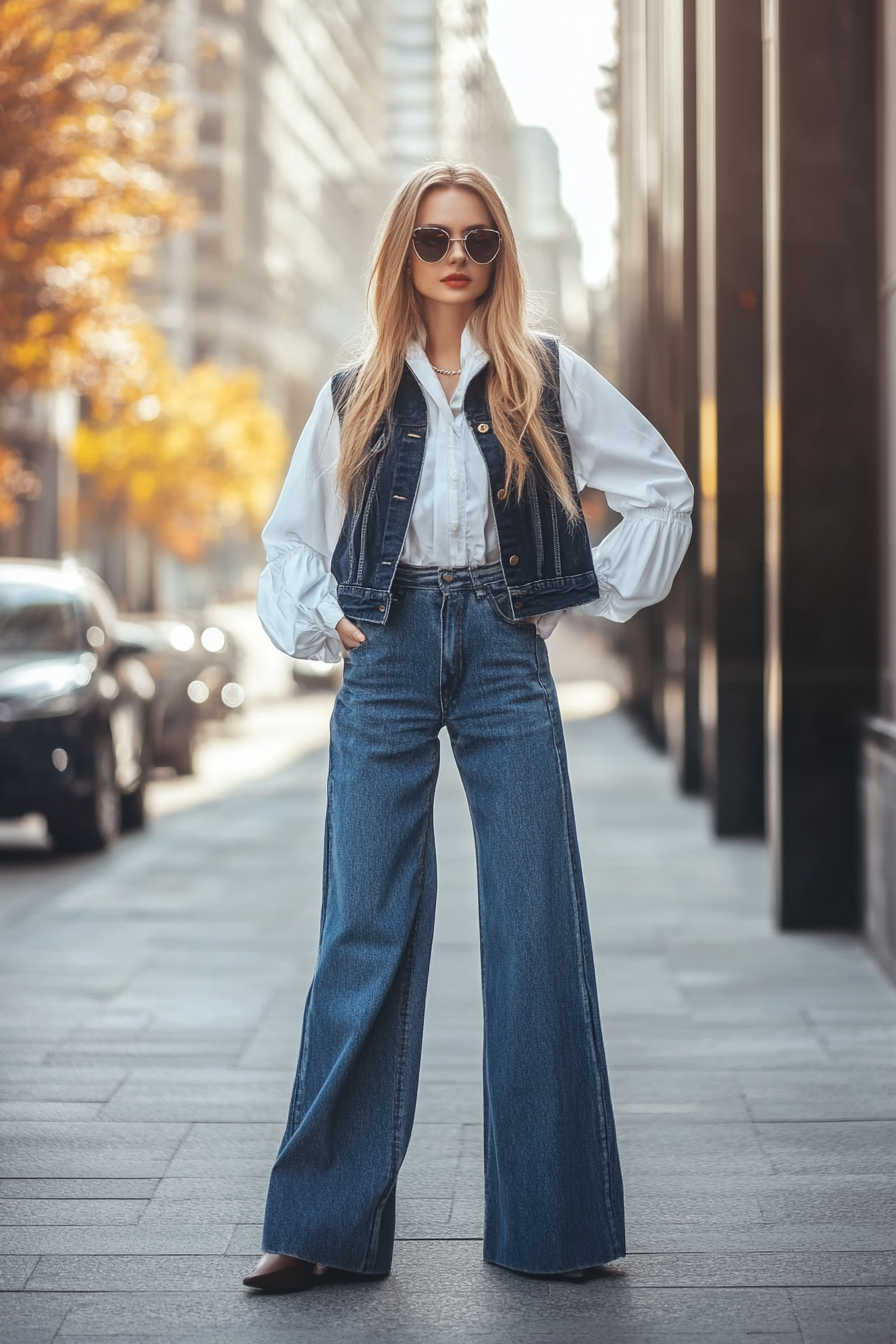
<point>306,114</point>
<point>290,124</point>
<point>547,236</point>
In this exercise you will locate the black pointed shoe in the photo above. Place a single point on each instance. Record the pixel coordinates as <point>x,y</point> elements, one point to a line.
<point>295,1278</point>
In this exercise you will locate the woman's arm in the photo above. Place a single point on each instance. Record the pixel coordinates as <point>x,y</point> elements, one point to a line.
<point>619,452</point>
<point>296,592</point>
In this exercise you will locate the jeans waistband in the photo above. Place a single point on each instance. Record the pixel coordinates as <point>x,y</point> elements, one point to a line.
<point>468,577</point>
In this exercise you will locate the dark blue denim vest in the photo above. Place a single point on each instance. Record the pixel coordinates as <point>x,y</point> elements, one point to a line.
<point>545,558</point>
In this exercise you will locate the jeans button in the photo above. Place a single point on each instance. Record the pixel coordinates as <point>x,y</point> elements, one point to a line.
<point>449,578</point>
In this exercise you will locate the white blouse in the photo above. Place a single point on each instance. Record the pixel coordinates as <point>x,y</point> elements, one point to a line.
<point>452,525</point>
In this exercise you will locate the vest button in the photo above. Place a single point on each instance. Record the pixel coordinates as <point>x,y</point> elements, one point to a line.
<point>502,493</point>
<point>514,559</point>
<point>518,605</point>
<point>382,608</point>
<point>483,429</point>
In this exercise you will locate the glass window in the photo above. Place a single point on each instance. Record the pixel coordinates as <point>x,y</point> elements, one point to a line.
<point>37,619</point>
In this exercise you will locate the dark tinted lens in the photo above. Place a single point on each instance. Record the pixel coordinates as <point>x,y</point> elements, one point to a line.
<point>430,244</point>
<point>482,245</point>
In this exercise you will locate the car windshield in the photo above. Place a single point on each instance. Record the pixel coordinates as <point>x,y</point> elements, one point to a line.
<point>36,619</point>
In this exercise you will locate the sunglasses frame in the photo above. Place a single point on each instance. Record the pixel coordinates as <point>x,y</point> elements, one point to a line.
<point>437,228</point>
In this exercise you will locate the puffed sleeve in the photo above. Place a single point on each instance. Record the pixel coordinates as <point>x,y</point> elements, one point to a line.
<point>619,452</point>
<point>296,592</point>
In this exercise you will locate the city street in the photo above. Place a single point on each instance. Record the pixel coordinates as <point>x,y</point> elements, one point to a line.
<point>152,1002</point>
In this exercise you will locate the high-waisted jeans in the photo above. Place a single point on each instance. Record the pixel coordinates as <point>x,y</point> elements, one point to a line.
<point>553,1188</point>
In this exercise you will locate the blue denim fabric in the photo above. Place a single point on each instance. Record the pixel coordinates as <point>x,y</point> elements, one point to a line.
<point>553,1188</point>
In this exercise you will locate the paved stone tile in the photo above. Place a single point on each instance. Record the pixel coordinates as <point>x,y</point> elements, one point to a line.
<point>678,1095</point>
<point>136,1272</point>
<point>228,1097</point>
<point>810,1095</point>
<point>816,1197</point>
<point>70,1212</point>
<point>27,1319</point>
<point>859,1147</point>
<point>69,1085</point>
<point>206,1210</point>
<point>148,1239</point>
<point>646,1237</point>
<point>460,1103</point>
<point>22,1054</point>
<point>648,1145</point>
<point>97,1149</point>
<point>49,1110</point>
<point>834,1315</point>
<point>440,1297</point>
<point>698,1205</point>
<point>83,1189</point>
<point>14,1271</point>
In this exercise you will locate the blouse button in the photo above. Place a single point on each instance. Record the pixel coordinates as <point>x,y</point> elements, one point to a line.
<point>483,429</point>
<point>502,493</point>
<point>514,559</point>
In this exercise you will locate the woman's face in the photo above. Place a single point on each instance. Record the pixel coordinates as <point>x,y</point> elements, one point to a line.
<point>455,279</point>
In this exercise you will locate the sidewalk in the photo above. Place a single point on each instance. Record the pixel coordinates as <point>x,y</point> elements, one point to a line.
<point>149,1037</point>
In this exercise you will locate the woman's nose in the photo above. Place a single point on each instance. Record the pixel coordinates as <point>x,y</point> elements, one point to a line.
<point>456,253</point>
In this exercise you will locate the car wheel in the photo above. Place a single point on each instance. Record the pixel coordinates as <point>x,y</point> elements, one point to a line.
<point>133,805</point>
<point>133,809</point>
<point>93,823</point>
<point>182,750</point>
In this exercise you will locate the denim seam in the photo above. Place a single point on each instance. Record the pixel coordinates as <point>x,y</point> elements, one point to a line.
<point>298,1091</point>
<point>442,615</point>
<point>583,979</point>
<point>558,563</point>
<point>398,1099</point>
<point>536,528</point>
<point>487,1181</point>
<point>370,498</point>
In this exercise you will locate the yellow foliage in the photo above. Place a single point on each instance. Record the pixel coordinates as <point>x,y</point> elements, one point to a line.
<point>184,456</point>
<point>88,135</point>
<point>17,482</point>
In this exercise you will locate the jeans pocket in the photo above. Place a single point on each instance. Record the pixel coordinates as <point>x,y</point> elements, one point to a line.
<point>524,623</point>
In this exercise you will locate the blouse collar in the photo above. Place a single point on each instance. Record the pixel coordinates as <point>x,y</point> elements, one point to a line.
<point>472,360</point>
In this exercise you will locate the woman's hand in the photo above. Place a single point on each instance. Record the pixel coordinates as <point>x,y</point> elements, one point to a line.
<point>349,633</point>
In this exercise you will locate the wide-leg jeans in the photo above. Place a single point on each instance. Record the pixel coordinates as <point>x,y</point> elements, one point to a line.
<point>553,1188</point>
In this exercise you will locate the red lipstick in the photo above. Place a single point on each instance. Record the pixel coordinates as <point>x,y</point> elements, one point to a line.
<point>456,281</point>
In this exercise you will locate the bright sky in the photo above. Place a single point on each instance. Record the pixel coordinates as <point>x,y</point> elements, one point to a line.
<point>549,56</point>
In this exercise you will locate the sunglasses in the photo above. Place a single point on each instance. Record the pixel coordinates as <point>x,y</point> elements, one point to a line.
<point>431,244</point>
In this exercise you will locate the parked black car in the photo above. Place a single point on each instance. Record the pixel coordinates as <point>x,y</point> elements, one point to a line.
<point>195,666</point>
<point>76,704</point>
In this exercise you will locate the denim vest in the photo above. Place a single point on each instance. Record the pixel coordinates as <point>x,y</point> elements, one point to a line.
<point>546,559</point>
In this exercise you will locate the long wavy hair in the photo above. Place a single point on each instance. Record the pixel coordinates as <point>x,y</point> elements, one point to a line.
<point>517,365</point>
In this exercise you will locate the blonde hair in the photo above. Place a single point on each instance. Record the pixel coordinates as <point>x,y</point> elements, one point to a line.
<point>517,361</point>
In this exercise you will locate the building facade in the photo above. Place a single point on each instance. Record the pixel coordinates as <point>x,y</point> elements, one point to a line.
<point>756,329</point>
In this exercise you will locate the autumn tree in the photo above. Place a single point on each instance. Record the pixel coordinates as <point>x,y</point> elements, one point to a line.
<point>185,456</point>
<point>87,138</point>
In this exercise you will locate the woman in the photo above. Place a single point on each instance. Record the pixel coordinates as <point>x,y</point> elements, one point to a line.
<point>430,532</point>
